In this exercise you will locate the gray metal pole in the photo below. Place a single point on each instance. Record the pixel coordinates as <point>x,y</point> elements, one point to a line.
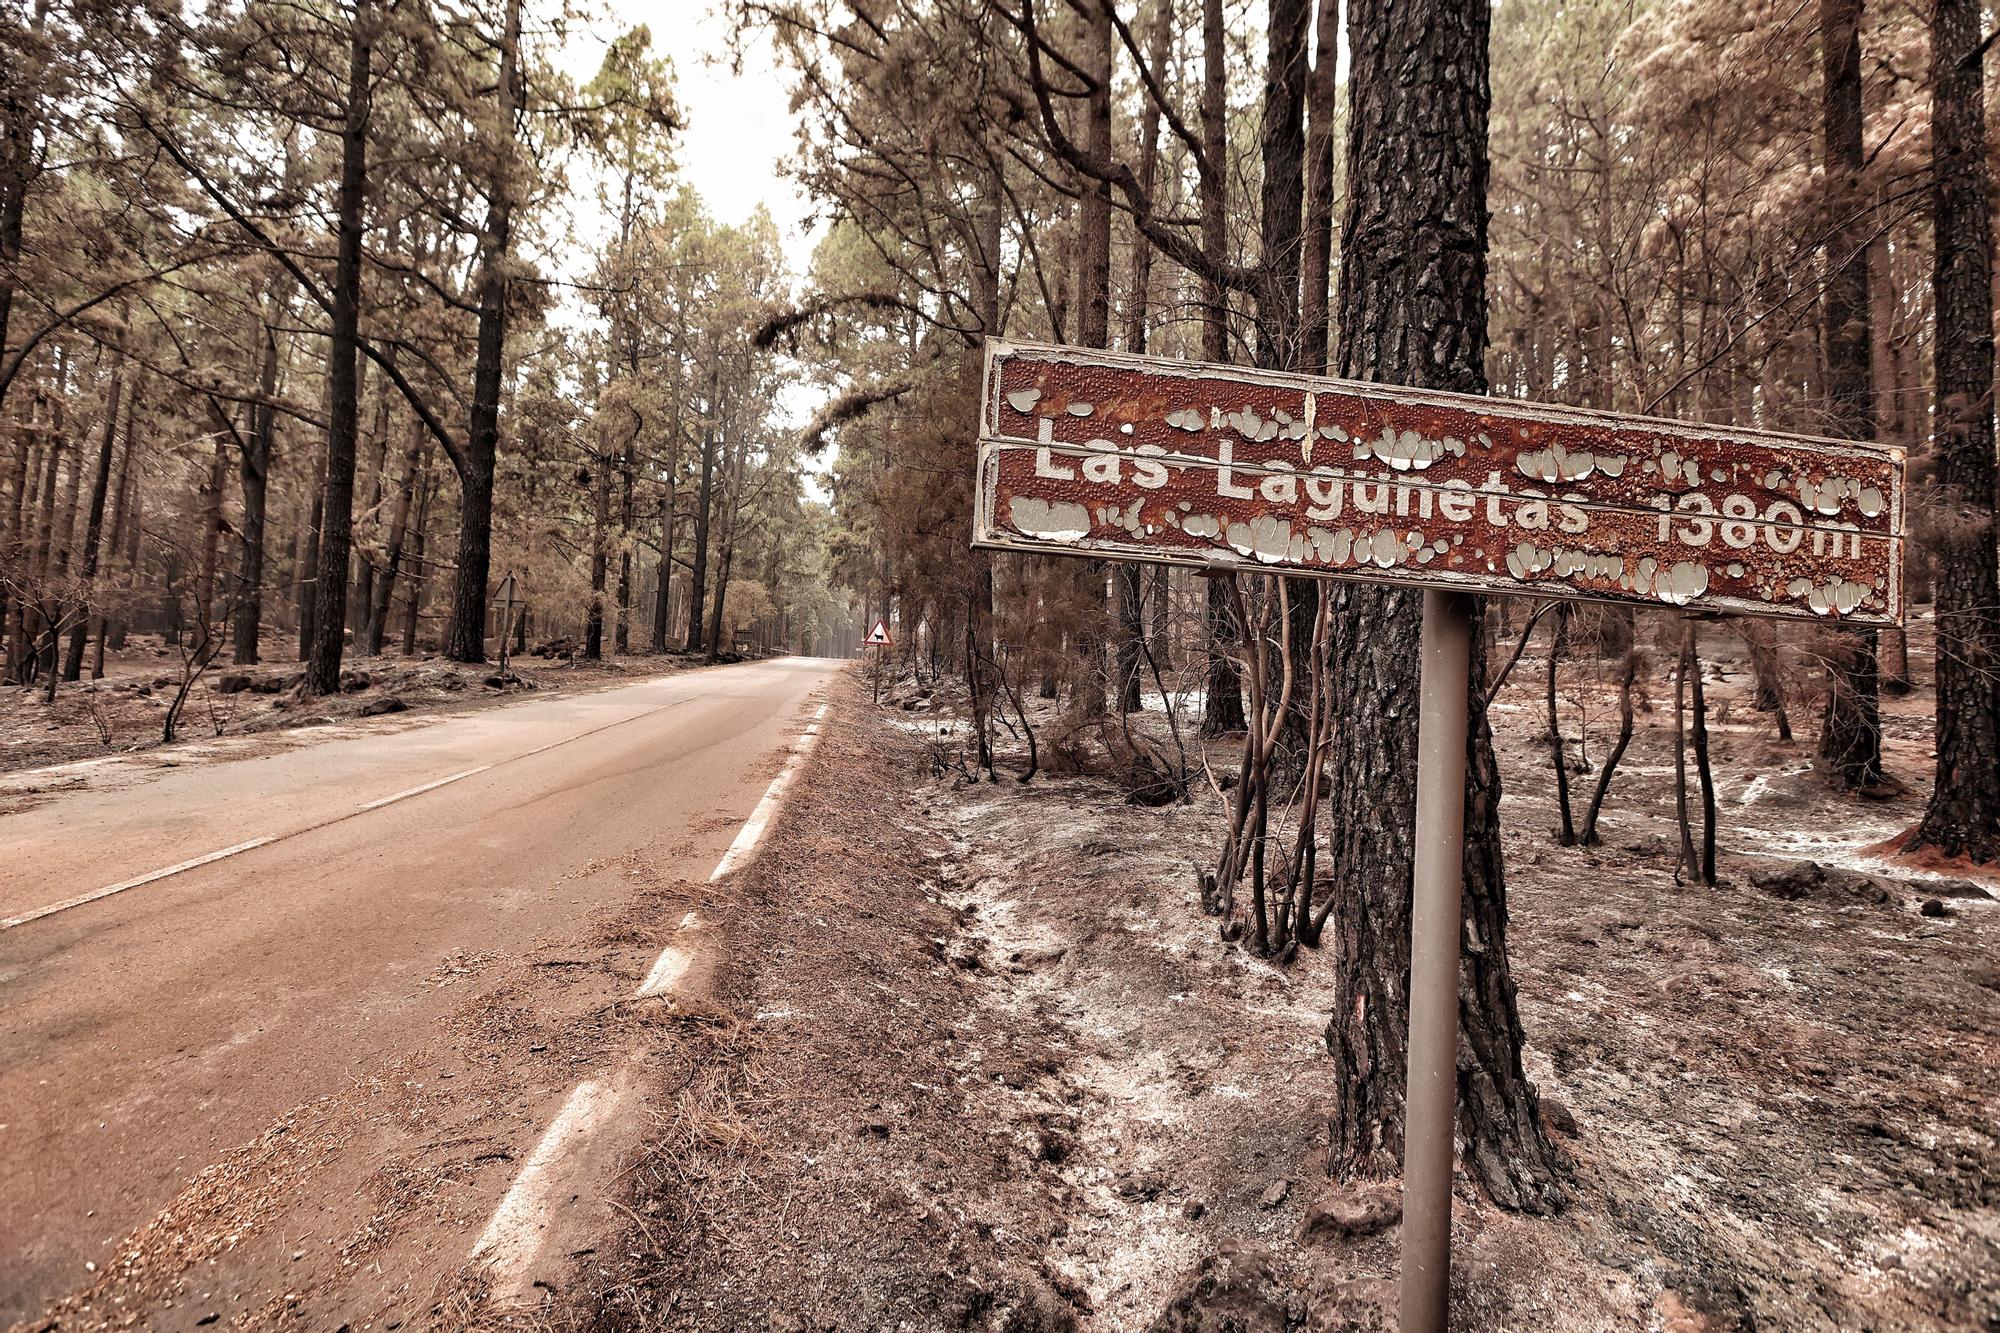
<point>1431,1096</point>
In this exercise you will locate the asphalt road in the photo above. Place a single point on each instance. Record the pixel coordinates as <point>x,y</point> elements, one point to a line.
<point>147,1033</point>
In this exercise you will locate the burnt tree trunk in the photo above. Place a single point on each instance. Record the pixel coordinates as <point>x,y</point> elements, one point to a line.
<point>663,602</point>
<point>305,567</point>
<point>600,522</point>
<point>413,610</point>
<point>1316,259</point>
<point>1287,34</point>
<point>1963,815</point>
<point>1704,773</point>
<point>1093,219</point>
<point>1131,599</point>
<point>704,503</point>
<point>465,634</point>
<point>1222,706</point>
<point>111,630</point>
<point>377,626</point>
<point>627,515</point>
<point>329,637</point>
<point>93,529</point>
<point>1769,673</point>
<point>982,649</point>
<point>212,524</point>
<point>254,473</point>
<point>719,641</point>
<point>1558,641</point>
<point>1850,742</point>
<point>1628,679</point>
<point>1412,310</point>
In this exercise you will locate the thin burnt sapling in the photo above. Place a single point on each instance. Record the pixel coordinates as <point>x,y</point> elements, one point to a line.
<point>1631,663</point>
<point>1699,865</point>
<point>1558,640</point>
<point>1769,697</point>
<point>1245,847</point>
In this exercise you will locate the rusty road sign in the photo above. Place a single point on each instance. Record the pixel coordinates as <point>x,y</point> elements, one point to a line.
<point>1143,458</point>
<point>1140,458</point>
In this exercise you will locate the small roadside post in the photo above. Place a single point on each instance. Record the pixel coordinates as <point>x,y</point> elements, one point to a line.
<point>1119,457</point>
<point>878,639</point>
<point>505,596</point>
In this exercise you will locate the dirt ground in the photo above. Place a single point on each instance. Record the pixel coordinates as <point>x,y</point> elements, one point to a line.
<point>971,1057</point>
<point>124,712</point>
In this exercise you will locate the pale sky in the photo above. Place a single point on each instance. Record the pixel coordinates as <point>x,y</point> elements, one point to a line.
<point>738,125</point>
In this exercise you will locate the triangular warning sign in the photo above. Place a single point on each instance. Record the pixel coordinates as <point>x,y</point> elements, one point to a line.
<point>879,636</point>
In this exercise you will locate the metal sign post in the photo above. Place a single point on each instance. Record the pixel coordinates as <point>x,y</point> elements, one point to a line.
<point>878,639</point>
<point>506,597</point>
<point>1119,457</point>
<point>1430,1095</point>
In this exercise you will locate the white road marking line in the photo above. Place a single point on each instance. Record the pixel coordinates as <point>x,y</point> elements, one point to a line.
<point>752,832</point>
<point>419,791</point>
<point>132,883</point>
<point>668,969</point>
<point>512,1238</point>
<point>515,1233</point>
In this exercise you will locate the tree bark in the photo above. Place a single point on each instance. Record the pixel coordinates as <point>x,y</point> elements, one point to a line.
<point>426,487</point>
<point>1315,263</point>
<point>622,638</point>
<point>663,598</point>
<point>336,535</point>
<point>600,522</point>
<point>1413,311</point>
<point>93,530</point>
<point>255,473</point>
<point>982,649</point>
<point>1850,742</point>
<point>305,580</point>
<point>1287,31</point>
<point>1131,601</point>
<point>377,626</point>
<point>732,493</point>
<point>1558,641</point>
<point>465,636</point>
<point>111,630</point>
<point>704,502</point>
<point>1093,221</point>
<point>1962,817</point>
<point>21,106</point>
<point>1283,202</point>
<point>1222,705</point>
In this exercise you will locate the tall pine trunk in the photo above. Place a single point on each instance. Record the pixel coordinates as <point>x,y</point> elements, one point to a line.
<point>704,503</point>
<point>255,473</point>
<point>1850,738</point>
<point>1093,325</point>
<point>93,530</point>
<point>1963,816</point>
<point>1131,598</point>
<point>377,625</point>
<point>1283,204</point>
<point>982,652</point>
<point>336,526</point>
<point>1413,311</point>
<point>1222,705</point>
<point>465,635</point>
<point>1315,263</point>
<point>600,557</point>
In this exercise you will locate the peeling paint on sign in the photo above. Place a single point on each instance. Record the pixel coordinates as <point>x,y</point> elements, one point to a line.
<point>1143,458</point>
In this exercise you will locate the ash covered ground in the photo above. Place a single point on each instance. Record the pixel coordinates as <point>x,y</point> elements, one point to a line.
<point>971,1056</point>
